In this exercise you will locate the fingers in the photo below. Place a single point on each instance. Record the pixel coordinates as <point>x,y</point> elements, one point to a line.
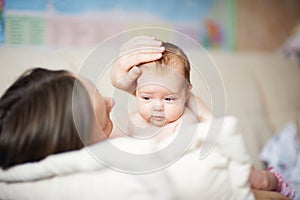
<point>141,41</point>
<point>140,49</point>
<point>129,79</point>
<point>137,58</point>
<point>125,72</point>
<point>143,44</point>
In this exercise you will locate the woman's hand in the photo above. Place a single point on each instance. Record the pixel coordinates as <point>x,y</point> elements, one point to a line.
<point>140,49</point>
<point>268,195</point>
<point>263,180</point>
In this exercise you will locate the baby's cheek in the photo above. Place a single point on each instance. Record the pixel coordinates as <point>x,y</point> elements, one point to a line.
<point>173,112</point>
<point>144,110</point>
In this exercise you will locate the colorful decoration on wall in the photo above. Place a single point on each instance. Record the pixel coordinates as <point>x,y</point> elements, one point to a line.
<point>1,21</point>
<point>77,23</point>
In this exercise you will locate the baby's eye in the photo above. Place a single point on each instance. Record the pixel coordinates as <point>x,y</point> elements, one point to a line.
<point>170,99</point>
<point>146,98</point>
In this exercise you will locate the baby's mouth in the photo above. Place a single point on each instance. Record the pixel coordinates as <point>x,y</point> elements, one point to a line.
<point>158,117</point>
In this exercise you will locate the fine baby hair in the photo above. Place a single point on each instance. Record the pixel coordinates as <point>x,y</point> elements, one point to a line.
<point>174,58</point>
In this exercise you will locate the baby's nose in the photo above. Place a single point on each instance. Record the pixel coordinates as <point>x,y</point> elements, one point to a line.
<point>158,106</point>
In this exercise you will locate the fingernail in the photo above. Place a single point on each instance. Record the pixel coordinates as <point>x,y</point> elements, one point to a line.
<point>162,48</point>
<point>159,55</point>
<point>136,70</point>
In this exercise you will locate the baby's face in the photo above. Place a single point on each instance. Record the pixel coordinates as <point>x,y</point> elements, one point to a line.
<point>161,100</point>
<point>158,105</point>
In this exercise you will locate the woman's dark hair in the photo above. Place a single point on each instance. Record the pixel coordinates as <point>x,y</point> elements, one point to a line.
<point>37,116</point>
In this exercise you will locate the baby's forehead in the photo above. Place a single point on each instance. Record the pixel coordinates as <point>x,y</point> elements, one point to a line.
<point>162,69</point>
<point>172,81</point>
<point>157,88</point>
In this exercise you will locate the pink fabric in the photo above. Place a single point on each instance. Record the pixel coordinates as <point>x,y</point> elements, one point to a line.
<point>284,186</point>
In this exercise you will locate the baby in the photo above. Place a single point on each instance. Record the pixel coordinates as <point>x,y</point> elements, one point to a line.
<point>162,92</point>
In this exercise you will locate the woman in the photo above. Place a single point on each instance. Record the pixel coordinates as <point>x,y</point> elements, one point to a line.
<point>46,118</point>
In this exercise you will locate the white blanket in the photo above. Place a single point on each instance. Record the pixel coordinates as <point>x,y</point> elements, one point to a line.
<point>222,174</point>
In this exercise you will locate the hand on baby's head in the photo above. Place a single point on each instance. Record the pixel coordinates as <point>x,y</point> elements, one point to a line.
<point>138,50</point>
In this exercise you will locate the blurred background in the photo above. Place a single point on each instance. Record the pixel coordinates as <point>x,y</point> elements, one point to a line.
<point>233,25</point>
<point>245,38</point>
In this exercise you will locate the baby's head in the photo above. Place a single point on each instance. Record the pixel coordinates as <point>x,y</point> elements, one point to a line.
<point>164,87</point>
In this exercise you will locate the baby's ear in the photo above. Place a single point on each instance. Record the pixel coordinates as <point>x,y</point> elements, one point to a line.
<point>188,91</point>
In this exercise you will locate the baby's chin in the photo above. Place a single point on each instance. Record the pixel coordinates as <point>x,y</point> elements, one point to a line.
<point>158,123</point>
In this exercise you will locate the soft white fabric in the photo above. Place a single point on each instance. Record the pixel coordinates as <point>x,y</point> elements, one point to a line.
<point>77,175</point>
<point>222,174</point>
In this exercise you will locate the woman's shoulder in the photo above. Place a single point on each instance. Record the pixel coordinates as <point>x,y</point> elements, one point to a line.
<point>72,175</point>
